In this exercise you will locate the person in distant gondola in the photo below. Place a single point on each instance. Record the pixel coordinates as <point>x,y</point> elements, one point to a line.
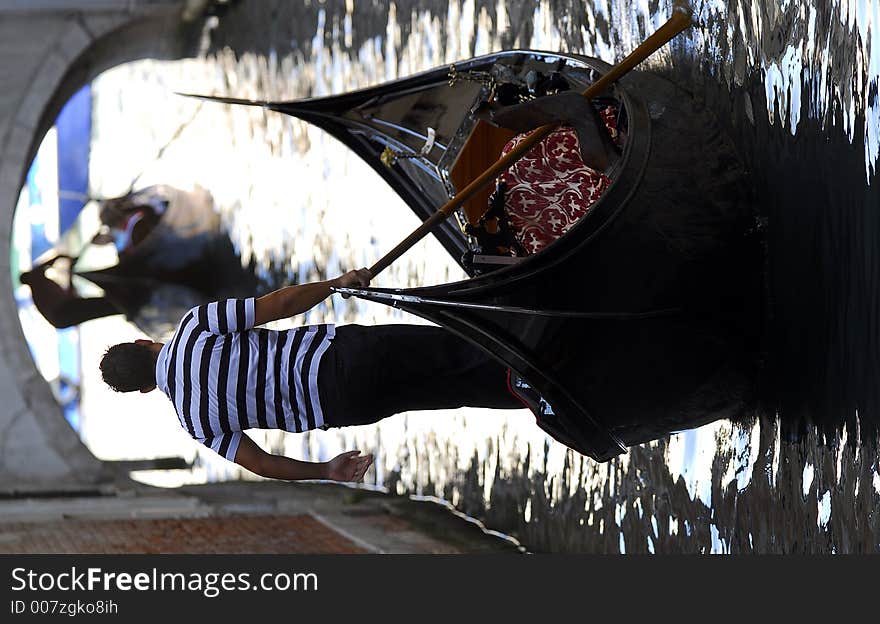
<point>224,375</point>
<point>127,220</point>
<point>541,196</point>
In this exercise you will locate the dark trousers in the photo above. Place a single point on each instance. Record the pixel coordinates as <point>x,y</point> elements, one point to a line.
<point>372,372</point>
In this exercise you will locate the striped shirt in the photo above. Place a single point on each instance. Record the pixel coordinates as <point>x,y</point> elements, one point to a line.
<point>224,376</point>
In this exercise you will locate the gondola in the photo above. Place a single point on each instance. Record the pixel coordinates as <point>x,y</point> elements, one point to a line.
<point>640,320</point>
<point>185,260</point>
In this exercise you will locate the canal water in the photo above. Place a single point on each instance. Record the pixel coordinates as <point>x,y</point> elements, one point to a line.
<point>795,85</point>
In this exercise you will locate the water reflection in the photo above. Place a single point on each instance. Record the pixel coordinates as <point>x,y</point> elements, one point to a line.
<point>795,85</point>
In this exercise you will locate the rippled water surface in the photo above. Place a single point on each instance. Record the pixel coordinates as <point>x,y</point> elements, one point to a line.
<point>794,83</point>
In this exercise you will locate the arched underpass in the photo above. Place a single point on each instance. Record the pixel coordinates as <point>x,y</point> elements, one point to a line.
<point>50,48</point>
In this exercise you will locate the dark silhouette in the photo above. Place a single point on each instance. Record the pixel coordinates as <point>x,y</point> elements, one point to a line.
<point>173,254</point>
<point>61,305</point>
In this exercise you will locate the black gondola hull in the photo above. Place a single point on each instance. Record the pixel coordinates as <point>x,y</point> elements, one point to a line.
<point>644,317</point>
<point>669,264</point>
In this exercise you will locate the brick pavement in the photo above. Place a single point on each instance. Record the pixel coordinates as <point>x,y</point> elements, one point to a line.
<point>238,534</point>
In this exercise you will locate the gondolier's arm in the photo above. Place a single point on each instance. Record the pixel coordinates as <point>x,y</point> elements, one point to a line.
<point>348,466</point>
<point>293,300</point>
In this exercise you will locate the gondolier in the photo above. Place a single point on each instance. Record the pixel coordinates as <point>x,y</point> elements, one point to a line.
<point>224,375</point>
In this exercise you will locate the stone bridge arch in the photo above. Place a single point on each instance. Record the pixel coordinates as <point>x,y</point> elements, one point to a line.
<point>50,48</point>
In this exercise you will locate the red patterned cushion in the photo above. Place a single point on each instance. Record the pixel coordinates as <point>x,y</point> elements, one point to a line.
<point>550,188</point>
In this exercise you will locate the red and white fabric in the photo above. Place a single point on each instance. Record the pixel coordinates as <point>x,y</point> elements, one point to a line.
<point>550,188</point>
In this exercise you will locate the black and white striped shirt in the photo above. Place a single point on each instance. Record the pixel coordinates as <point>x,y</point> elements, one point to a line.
<point>224,376</point>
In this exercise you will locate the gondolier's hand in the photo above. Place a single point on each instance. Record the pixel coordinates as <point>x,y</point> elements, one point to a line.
<point>349,466</point>
<point>353,279</point>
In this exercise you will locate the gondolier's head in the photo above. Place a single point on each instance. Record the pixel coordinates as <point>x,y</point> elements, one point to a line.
<point>131,366</point>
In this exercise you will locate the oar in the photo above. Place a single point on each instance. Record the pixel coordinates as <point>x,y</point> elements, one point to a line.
<point>681,19</point>
<point>183,126</point>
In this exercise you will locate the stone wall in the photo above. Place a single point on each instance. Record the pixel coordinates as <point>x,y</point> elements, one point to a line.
<point>48,50</point>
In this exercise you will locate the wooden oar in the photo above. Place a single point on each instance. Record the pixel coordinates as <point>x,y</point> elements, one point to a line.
<point>681,19</point>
